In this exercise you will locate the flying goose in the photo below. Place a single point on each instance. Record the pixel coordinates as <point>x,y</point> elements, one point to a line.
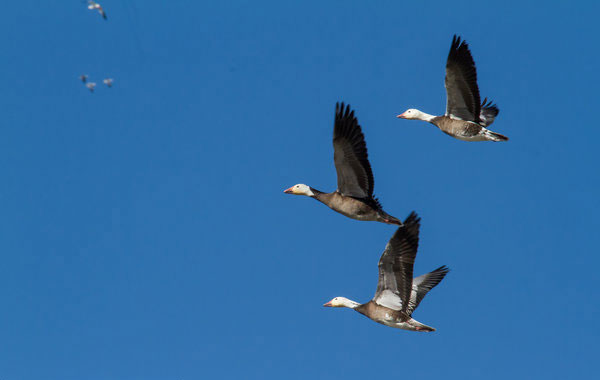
<point>467,117</point>
<point>354,195</point>
<point>91,86</point>
<point>108,82</point>
<point>398,294</point>
<point>95,5</point>
<point>83,78</point>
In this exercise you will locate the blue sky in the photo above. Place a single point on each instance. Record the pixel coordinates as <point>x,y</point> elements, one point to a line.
<point>145,234</point>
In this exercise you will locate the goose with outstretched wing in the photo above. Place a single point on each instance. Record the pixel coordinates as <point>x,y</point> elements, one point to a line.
<point>466,117</point>
<point>354,195</point>
<point>398,294</point>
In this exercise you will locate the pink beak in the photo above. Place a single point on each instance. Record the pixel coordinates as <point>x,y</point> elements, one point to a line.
<point>288,191</point>
<point>401,116</point>
<point>328,304</point>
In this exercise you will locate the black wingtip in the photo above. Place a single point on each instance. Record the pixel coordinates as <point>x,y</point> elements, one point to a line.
<point>412,218</point>
<point>412,225</point>
<point>443,269</point>
<point>490,107</point>
<point>343,110</point>
<point>458,43</point>
<point>488,103</point>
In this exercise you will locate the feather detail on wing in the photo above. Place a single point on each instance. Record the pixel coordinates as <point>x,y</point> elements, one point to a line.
<point>423,284</point>
<point>463,101</point>
<point>396,266</point>
<point>354,174</point>
<point>488,113</point>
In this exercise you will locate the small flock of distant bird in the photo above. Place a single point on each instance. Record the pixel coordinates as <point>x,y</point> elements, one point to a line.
<point>92,5</point>
<point>92,85</point>
<point>467,117</point>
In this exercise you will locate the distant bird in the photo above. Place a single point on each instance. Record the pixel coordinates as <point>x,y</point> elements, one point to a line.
<point>91,86</point>
<point>354,195</point>
<point>467,117</point>
<point>398,294</point>
<point>83,78</point>
<point>94,5</point>
<point>108,82</point>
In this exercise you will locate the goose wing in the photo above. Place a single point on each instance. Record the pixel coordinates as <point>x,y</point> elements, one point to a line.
<point>396,266</point>
<point>423,284</point>
<point>354,174</point>
<point>462,94</point>
<point>488,113</point>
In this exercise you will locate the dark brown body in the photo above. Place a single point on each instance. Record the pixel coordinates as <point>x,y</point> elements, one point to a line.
<point>460,129</point>
<point>355,208</point>
<point>465,130</point>
<point>382,314</point>
<point>390,317</point>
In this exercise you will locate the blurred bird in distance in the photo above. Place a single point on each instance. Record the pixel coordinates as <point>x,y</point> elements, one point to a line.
<point>94,5</point>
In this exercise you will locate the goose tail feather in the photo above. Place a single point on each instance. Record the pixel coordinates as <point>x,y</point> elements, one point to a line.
<point>387,218</point>
<point>493,136</point>
<point>418,326</point>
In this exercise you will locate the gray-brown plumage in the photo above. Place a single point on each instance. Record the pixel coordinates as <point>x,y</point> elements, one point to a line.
<point>354,195</point>
<point>466,117</point>
<point>398,294</point>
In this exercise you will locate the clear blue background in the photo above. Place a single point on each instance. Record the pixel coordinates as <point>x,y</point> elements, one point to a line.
<point>145,234</point>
